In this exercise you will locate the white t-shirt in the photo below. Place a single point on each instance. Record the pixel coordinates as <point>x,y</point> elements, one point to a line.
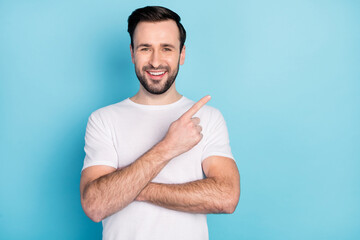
<point>119,134</point>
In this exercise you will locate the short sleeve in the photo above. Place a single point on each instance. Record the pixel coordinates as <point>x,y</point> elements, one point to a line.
<point>99,147</point>
<point>217,138</point>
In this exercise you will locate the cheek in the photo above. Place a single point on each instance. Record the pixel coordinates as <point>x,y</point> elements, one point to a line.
<point>174,61</point>
<point>138,63</point>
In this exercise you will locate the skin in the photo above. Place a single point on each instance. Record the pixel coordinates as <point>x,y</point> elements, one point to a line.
<point>106,190</point>
<point>157,44</point>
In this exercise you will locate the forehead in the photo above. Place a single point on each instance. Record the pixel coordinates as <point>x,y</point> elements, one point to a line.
<point>156,33</point>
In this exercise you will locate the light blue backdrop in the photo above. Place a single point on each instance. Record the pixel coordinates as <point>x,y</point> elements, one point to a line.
<point>285,74</point>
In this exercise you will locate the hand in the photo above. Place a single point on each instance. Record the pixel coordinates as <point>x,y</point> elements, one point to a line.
<point>185,133</point>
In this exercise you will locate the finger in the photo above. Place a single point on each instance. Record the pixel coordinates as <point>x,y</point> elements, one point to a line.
<point>199,128</point>
<point>201,136</point>
<point>195,120</point>
<point>196,107</point>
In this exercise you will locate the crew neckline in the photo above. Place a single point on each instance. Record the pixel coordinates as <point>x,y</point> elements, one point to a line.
<point>156,107</point>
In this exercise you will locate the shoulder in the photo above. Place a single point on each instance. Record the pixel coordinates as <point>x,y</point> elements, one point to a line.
<point>110,111</point>
<point>110,115</point>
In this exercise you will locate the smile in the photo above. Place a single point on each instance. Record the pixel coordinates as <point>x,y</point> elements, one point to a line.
<point>156,73</point>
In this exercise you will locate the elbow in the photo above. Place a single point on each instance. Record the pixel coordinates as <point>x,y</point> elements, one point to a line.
<point>91,206</point>
<point>93,215</point>
<point>231,202</point>
<point>92,211</point>
<point>95,218</point>
<point>230,207</point>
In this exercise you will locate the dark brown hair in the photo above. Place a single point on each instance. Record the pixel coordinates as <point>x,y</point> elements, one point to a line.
<point>155,14</point>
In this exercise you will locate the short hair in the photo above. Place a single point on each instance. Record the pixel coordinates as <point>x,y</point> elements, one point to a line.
<point>155,14</point>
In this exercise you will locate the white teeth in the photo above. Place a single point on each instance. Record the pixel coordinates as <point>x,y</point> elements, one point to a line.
<point>156,73</point>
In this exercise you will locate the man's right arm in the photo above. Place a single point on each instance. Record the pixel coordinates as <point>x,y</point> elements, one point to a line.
<point>105,190</point>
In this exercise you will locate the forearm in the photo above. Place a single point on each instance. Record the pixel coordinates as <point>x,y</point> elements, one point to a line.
<point>112,192</point>
<point>107,193</point>
<point>208,195</point>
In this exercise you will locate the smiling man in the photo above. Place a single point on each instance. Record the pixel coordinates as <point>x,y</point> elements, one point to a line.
<point>156,53</point>
<point>157,163</point>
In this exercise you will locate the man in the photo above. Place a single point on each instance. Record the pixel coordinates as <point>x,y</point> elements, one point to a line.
<point>151,170</point>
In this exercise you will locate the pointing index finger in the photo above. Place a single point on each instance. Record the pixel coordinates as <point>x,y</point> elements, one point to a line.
<point>196,107</point>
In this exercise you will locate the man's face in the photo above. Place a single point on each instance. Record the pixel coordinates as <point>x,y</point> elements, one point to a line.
<point>156,55</point>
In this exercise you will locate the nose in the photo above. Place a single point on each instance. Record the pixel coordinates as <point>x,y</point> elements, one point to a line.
<point>155,59</point>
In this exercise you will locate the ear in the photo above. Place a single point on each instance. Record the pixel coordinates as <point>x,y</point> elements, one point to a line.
<point>182,55</point>
<point>132,54</point>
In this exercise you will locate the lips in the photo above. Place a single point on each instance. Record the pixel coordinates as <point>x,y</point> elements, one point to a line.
<point>156,75</point>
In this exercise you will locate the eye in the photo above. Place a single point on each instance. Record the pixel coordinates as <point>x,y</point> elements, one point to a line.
<point>145,49</point>
<point>167,49</point>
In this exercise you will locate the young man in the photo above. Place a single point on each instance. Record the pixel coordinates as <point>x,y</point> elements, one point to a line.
<point>157,163</point>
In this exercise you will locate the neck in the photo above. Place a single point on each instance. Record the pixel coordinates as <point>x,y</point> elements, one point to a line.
<point>146,98</point>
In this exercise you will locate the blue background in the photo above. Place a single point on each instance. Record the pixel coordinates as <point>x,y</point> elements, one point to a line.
<point>285,74</point>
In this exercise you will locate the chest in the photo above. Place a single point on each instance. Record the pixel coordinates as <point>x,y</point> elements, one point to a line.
<point>135,135</point>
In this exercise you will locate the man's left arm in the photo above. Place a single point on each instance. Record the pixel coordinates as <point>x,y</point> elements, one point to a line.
<point>219,192</point>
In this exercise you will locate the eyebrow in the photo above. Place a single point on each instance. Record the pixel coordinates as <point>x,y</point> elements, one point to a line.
<point>167,45</point>
<point>149,45</point>
<point>143,45</point>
